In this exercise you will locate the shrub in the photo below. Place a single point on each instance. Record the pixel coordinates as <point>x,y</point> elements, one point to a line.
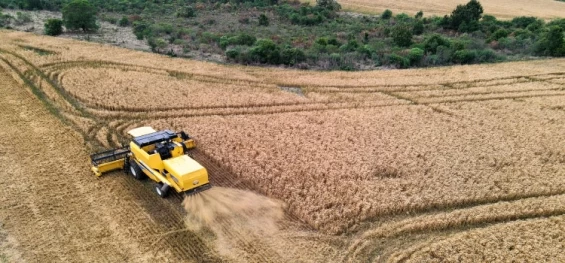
<point>141,30</point>
<point>53,27</point>
<point>432,43</point>
<point>333,41</point>
<point>419,15</point>
<point>402,36</point>
<point>486,55</point>
<point>418,28</point>
<point>523,34</point>
<point>402,17</point>
<point>557,22</point>
<point>112,20</point>
<point>263,20</point>
<point>387,14</point>
<point>365,50</point>
<point>208,38</point>
<point>331,5</point>
<point>464,56</point>
<point>265,51</point>
<point>33,4</point>
<point>233,53</point>
<point>498,34</point>
<point>467,27</point>
<point>186,12</point>
<point>22,18</point>
<point>305,15</point>
<point>415,56</point>
<point>523,21</point>
<point>156,44</point>
<point>444,54</point>
<point>552,43</point>
<point>4,19</point>
<point>292,56</point>
<point>398,61</point>
<point>241,39</point>
<point>350,46</point>
<point>535,26</point>
<point>322,41</point>
<point>124,21</point>
<point>162,28</point>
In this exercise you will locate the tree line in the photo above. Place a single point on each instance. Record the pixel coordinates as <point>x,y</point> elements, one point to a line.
<point>296,34</point>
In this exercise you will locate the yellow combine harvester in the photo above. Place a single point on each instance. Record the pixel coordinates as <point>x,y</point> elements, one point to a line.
<point>159,155</point>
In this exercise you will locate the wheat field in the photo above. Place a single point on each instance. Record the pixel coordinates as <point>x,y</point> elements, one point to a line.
<point>546,9</point>
<point>402,165</point>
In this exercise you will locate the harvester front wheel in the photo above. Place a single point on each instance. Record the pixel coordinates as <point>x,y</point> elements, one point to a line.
<point>162,190</point>
<point>135,171</point>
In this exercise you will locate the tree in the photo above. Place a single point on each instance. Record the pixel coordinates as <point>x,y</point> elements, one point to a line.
<point>54,27</point>
<point>387,14</point>
<point>552,44</point>
<point>470,14</point>
<point>80,14</point>
<point>402,36</point>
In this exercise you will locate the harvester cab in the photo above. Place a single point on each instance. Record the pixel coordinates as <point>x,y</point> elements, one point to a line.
<point>158,155</point>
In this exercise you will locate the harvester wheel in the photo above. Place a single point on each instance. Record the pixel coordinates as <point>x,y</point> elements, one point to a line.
<point>162,190</point>
<point>135,171</point>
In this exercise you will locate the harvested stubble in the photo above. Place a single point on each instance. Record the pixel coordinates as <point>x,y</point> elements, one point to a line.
<point>501,9</point>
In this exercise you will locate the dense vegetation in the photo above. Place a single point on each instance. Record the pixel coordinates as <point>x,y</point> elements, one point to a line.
<point>287,32</point>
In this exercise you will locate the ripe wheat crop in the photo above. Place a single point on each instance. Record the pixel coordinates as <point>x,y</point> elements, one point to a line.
<point>425,151</point>
<point>502,9</point>
<point>134,90</point>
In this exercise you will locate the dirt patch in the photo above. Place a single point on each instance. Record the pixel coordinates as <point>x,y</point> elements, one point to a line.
<point>107,34</point>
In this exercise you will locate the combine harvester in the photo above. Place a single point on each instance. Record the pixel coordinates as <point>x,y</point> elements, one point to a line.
<point>159,155</point>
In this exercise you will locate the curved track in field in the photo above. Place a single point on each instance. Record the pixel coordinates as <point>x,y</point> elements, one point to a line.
<point>156,226</point>
<point>128,212</point>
